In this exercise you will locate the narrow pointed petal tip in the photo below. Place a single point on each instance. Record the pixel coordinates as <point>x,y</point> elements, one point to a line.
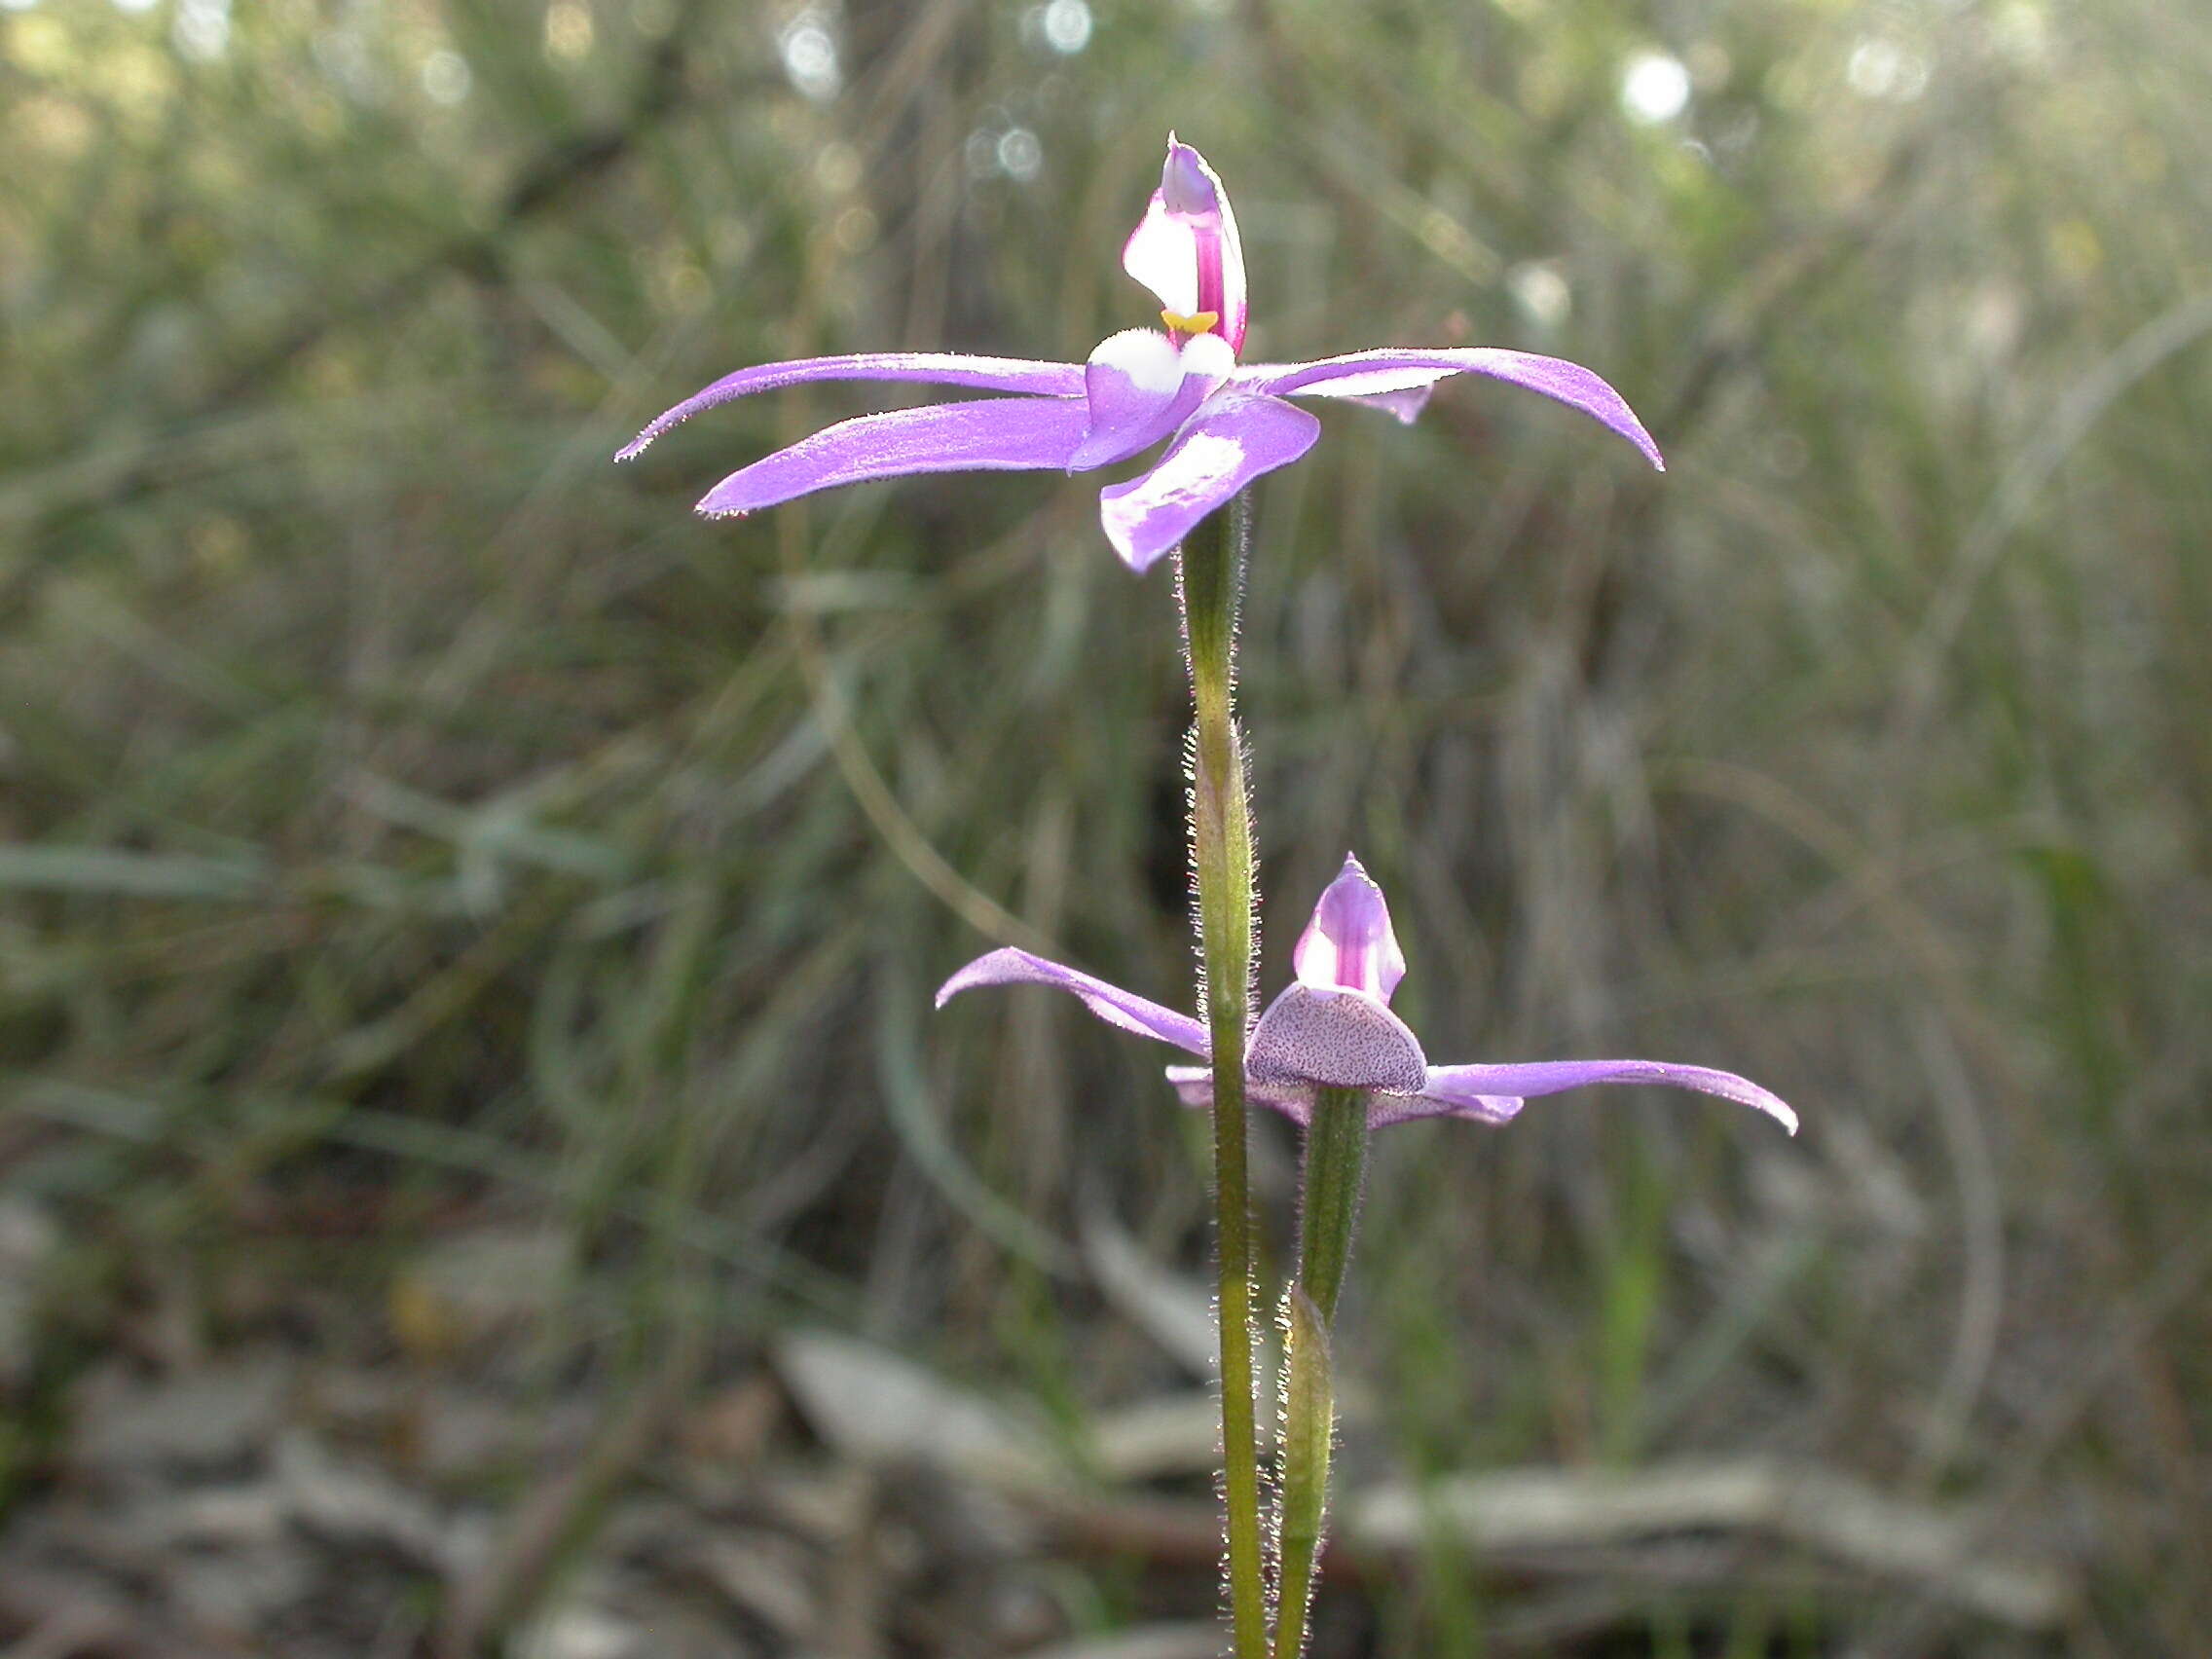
<point>1349,944</point>
<point>1126,1011</point>
<point>1389,375</point>
<point>1024,375</point>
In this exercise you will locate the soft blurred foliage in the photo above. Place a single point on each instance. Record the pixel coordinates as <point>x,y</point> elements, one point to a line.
<point>405,813</point>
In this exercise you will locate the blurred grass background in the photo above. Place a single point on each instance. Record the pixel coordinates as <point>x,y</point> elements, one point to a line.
<point>405,813</point>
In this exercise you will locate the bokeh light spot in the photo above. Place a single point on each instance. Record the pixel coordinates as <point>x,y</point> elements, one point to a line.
<point>1067,25</point>
<point>446,77</point>
<point>810,57</point>
<point>1655,87</point>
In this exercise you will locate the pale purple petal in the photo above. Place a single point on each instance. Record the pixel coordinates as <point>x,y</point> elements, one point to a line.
<point>1194,1086</point>
<point>993,434</point>
<point>1461,1089</point>
<point>1233,439</point>
<point>1385,1109</point>
<point>1350,944</point>
<point>1401,393</point>
<point>1344,1039</point>
<point>1110,1003</point>
<point>1139,387</point>
<point>1403,405</point>
<point>1393,370</point>
<point>936,368</point>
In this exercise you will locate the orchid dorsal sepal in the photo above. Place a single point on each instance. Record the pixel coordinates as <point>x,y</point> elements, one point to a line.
<point>1350,942</point>
<point>1186,248</point>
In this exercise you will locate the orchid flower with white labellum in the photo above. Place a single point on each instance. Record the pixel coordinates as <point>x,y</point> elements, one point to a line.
<point>1331,1028</point>
<point>1224,421</point>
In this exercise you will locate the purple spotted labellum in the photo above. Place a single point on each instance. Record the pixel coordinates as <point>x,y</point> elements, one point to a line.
<point>1224,421</point>
<point>1332,1028</point>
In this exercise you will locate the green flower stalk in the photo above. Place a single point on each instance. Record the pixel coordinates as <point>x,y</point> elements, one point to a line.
<point>1336,1167</point>
<point>1211,575</point>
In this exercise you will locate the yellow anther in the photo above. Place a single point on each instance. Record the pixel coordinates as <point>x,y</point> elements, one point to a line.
<point>1197,322</point>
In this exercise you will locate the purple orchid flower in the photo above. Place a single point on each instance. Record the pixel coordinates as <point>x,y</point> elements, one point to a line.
<point>1226,422</point>
<point>1333,1027</point>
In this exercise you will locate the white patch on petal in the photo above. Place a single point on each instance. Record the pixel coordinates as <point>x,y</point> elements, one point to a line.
<point>1194,470</point>
<point>1191,472</point>
<point>1144,357</point>
<point>1229,439</point>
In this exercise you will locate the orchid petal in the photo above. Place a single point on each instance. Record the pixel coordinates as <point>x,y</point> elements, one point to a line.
<point>1233,439</point>
<point>1403,404</point>
<point>1392,371</point>
<point>1492,1109</point>
<point>1462,1089</point>
<point>1401,393</point>
<point>1194,1086</point>
<point>1346,1039</point>
<point>1139,387</point>
<point>1350,944</point>
<point>993,433</point>
<point>1110,1003</point>
<point>936,368</point>
<point>1186,248</point>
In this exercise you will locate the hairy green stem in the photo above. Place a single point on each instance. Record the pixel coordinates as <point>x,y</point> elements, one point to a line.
<point>1212,572</point>
<point>1308,1432</point>
<point>1336,1161</point>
